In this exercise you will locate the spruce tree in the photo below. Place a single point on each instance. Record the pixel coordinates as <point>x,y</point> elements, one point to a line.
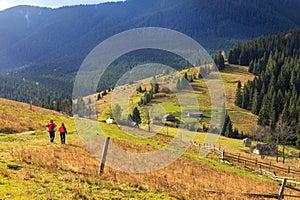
<point>178,85</point>
<point>298,134</point>
<point>186,76</point>
<point>117,111</point>
<point>226,121</point>
<point>139,89</point>
<point>98,97</point>
<point>263,116</point>
<point>273,112</point>
<point>229,131</point>
<point>255,103</point>
<point>219,61</point>
<point>136,117</point>
<point>238,95</point>
<point>244,58</point>
<point>235,133</point>
<point>156,88</point>
<point>245,99</point>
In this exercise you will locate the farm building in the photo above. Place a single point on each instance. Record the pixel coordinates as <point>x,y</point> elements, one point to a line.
<point>265,149</point>
<point>247,142</point>
<point>160,95</point>
<point>169,118</point>
<point>157,120</point>
<point>198,114</point>
<point>165,90</point>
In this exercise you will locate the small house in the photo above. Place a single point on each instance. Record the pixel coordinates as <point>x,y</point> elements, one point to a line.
<point>247,142</point>
<point>109,121</point>
<point>256,151</point>
<point>157,120</point>
<point>160,95</point>
<point>265,149</point>
<point>195,114</point>
<point>133,124</point>
<point>169,118</point>
<point>165,90</point>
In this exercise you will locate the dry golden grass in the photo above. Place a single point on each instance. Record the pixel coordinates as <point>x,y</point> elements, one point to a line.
<point>185,178</point>
<point>54,171</point>
<point>17,117</point>
<point>242,119</point>
<point>50,170</point>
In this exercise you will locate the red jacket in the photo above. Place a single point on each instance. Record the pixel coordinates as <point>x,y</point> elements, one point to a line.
<point>51,127</point>
<point>62,129</point>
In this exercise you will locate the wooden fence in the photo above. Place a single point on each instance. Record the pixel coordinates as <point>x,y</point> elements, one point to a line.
<point>253,164</point>
<point>283,174</point>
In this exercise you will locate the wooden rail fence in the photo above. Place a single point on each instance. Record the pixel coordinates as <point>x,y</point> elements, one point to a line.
<point>257,166</point>
<point>249,162</point>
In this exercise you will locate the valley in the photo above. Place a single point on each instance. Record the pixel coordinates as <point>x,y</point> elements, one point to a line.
<point>200,101</point>
<point>72,173</point>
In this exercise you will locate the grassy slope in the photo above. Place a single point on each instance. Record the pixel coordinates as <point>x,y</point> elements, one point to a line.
<point>69,172</point>
<point>243,119</point>
<point>52,171</point>
<point>17,117</point>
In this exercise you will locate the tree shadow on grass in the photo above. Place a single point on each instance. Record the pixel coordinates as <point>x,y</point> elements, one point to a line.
<point>270,196</point>
<point>266,196</point>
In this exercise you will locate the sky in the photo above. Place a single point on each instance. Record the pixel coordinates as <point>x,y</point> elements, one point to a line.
<point>47,3</point>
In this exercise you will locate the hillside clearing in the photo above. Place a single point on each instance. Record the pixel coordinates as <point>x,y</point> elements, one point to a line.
<point>69,172</point>
<point>54,171</point>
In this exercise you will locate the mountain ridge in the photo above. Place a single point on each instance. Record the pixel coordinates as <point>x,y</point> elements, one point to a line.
<point>47,46</point>
<point>57,31</point>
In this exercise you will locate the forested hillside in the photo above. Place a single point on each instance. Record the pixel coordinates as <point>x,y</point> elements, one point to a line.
<point>44,37</point>
<point>48,45</point>
<point>46,96</point>
<point>274,93</point>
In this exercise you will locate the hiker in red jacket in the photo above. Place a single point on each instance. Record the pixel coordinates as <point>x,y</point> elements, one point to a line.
<point>51,128</point>
<point>63,131</point>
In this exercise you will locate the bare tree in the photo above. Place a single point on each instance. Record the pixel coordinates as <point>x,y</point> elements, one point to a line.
<point>284,133</point>
<point>148,120</point>
<point>261,135</point>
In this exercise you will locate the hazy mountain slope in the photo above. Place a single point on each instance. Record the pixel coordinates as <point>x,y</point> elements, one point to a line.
<point>48,45</point>
<point>43,37</point>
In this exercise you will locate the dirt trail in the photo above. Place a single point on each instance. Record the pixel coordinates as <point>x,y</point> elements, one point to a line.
<point>26,133</point>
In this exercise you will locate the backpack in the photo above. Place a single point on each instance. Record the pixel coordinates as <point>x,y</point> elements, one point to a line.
<point>61,129</point>
<point>51,128</point>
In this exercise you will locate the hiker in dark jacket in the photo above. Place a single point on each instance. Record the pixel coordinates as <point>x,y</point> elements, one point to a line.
<point>63,131</point>
<point>51,128</point>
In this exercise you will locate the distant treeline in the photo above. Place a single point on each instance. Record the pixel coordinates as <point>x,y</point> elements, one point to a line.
<point>40,94</point>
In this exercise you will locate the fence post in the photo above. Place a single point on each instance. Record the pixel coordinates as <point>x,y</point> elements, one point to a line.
<point>223,155</point>
<point>260,169</point>
<point>289,169</point>
<point>239,158</point>
<point>256,161</point>
<point>280,195</point>
<point>244,164</point>
<point>104,153</point>
<point>270,166</point>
